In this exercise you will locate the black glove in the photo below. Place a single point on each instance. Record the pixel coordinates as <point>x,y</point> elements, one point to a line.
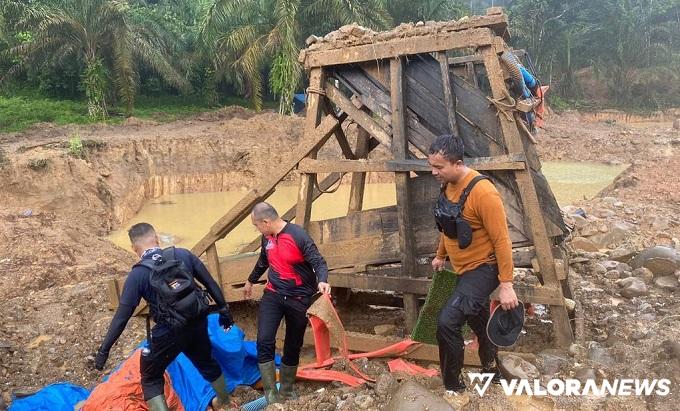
<point>225,319</point>
<point>100,359</point>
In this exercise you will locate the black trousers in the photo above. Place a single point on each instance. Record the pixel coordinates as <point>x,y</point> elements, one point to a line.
<point>193,341</point>
<point>469,303</point>
<point>273,308</point>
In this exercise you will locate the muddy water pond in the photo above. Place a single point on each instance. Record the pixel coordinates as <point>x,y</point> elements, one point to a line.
<point>182,219</point>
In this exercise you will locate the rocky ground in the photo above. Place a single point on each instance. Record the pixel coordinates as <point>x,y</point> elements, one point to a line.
<point>55,261</point>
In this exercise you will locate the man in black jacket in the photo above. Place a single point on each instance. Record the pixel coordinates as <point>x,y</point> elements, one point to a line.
<point>166,343</point>
<point>296,272</point>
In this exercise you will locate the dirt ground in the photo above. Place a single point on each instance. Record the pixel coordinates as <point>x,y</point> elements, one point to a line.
<point>55,261</point>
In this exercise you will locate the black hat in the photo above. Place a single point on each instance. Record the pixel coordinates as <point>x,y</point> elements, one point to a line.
<point>504,326</point>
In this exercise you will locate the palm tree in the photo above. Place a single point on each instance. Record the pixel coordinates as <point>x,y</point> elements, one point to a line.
<point>98,34</point>
<point>405,11</point>
<point>250,36</point>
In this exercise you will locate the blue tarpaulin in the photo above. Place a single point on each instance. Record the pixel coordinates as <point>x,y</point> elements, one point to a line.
<point>237,358</point>
<point>56,397</point>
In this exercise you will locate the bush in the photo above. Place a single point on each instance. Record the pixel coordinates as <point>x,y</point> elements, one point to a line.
<point>75,147</point>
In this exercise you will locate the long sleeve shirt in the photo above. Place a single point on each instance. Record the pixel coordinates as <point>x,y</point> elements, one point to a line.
<point>490,238</point>
<point>295,264</point>
<point>138,286</point>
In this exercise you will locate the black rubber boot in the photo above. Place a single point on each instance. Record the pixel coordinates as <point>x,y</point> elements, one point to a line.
<point>220,387</point>
<point>157,403</point>
<point>268,371</point>
<point>287,390</point>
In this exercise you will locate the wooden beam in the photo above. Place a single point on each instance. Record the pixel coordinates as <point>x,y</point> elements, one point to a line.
<point>358,185</point>
<point>399,47</point>
<point>419,286</point>
<point>214,264</point>
<point>313,116</point>
<point>241,210</point>
<point>527,191</point>
<point>478,58</point>
<point>536,294</point>
<point>449,97</point>
<point>360,117</point>
<point>401,166</point>
<point>402,179</point>
<point>471,74</point>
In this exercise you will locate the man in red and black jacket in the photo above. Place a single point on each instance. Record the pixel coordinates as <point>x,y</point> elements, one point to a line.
<point>296,271</point>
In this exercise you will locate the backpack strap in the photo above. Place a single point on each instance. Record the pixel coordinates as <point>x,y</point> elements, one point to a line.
<point>468,189</point>
<point>150,264</point>
<point>169,253</point>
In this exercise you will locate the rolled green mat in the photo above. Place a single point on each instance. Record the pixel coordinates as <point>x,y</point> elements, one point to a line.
<point>443,284</point>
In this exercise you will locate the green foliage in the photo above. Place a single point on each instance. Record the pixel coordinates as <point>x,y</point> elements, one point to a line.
<point>100,35</point>
<point>20,112</point>
<point>94,80</point>
<point>17,113</point>
<point>633,46</point>
<point>75,147</point>
<point>116,52</point>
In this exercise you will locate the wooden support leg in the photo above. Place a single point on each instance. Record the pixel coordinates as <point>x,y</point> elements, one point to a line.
<point>400,151</point>
<point>314,111</point>
<point>214,264</point>
<point>532,210</point>
<point>356,194</point>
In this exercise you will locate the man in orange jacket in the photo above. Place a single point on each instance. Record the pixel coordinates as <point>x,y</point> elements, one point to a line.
<point>482,257</point>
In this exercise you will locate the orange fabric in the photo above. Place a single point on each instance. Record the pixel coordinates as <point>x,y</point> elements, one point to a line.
<point>329,376</point>
<point>402,366</point>
<point>540,109</point>
<point>490,237</point>
<point>123,390</point>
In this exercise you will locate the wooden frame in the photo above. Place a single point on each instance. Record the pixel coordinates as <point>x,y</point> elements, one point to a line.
<point>401,93</point>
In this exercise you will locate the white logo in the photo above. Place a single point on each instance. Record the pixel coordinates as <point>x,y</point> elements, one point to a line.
<point>484,378</point>
<point>573,387</point>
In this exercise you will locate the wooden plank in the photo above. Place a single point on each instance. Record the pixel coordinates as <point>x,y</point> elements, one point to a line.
<point>114,294</point>
<point>358,185</point>
<point>529,198</point>
<point>399,47</point>
<point>373,95</point>
<point>359,116</point>
<point>399,150</point>
<point>313,116</point>
<point>471,74</point>
<point>392,166</point>
<point>536,294</point>
<point>478,58</point>
<point>449,97</point>
<point>419,286</point>
<point>213,261</point>
<point>241,210</point>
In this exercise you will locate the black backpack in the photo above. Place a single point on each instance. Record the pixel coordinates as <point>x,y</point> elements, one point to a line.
<point>179,300</point>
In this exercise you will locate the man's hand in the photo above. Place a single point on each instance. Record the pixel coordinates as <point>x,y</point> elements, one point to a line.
<point>100,359</point>
<point>248,290</point>
<point>507,296</point>
<point>438,263</point>
<point>225,319</point>
<point>325,288</point>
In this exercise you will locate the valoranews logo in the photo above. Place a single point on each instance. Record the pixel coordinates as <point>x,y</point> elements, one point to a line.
<point>573,387</point>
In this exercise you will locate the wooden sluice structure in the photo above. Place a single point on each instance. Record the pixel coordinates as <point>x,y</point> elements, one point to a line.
<point>402,92</point>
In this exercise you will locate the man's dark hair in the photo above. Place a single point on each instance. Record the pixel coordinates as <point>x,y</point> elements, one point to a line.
<point>263,211</point>
<point>139,231</point>
<point>450,147</point>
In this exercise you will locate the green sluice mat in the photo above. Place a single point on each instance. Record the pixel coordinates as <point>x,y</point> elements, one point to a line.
<point>443,283</point>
